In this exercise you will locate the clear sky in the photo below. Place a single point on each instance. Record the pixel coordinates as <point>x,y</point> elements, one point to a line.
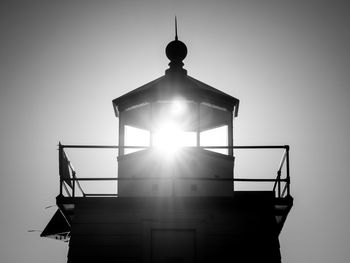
<point>62,63</point>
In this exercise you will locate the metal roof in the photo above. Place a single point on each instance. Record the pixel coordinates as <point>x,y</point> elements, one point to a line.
<point>176,85</point>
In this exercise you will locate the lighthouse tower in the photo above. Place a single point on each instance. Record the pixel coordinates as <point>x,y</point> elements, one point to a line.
<point>175,198</point>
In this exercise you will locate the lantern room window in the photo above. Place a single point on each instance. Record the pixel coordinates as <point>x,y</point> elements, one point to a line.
<point>215,137</point>
<point>174,125</point>
<point>170,125</point>
<point>135,137</point>
<point>215,127</point>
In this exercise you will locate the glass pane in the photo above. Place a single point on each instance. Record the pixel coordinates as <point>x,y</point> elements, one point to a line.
<point>138,116</point>
<point>135,137</point>
<point>212,116</point>
<point>181,113</point>
<point>215,137</point>
<point>170,137</point>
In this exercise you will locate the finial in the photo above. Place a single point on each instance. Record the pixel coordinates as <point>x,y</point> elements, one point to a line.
<point>176,52</point>
<point>176,28</point>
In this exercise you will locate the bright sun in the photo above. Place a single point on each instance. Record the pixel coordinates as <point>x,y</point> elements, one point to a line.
<point>169,138</point>
<point>172,132</point>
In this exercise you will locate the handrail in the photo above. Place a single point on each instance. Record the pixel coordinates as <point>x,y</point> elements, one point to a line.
<point>87,146</point>
<point>64,182</point>
<point>172,178</point>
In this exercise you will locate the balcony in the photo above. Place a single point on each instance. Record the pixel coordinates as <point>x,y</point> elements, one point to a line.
<point>255,170</point>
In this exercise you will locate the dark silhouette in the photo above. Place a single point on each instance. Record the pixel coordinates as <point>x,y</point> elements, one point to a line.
<point>178,207</point>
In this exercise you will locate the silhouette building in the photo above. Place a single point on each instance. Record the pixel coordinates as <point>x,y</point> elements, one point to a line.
<point>176,197</point>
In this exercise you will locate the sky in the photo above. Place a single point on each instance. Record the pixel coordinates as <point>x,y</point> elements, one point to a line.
<point>63,62</point>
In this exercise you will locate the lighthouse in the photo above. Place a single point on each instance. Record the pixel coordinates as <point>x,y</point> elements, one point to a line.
<point>175,198</point>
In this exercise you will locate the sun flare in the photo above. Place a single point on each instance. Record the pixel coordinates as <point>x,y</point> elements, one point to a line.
<point>170,137</point>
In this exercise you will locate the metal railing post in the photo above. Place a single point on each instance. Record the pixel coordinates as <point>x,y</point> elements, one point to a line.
<point>288,174</point>
<point>73,188</point>
<point>59,165</point>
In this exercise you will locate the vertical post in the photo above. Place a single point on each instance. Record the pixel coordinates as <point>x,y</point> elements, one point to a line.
<point>198,124</point>
<point>288,175</point>
<point>230,143</point>
<point>59,166</point>
<point>121,134</point>
<point>230,133</point>
<point>73,188</point>
<point>121,142</point>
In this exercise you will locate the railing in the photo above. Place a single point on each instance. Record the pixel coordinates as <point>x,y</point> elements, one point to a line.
<point>70,183</point>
